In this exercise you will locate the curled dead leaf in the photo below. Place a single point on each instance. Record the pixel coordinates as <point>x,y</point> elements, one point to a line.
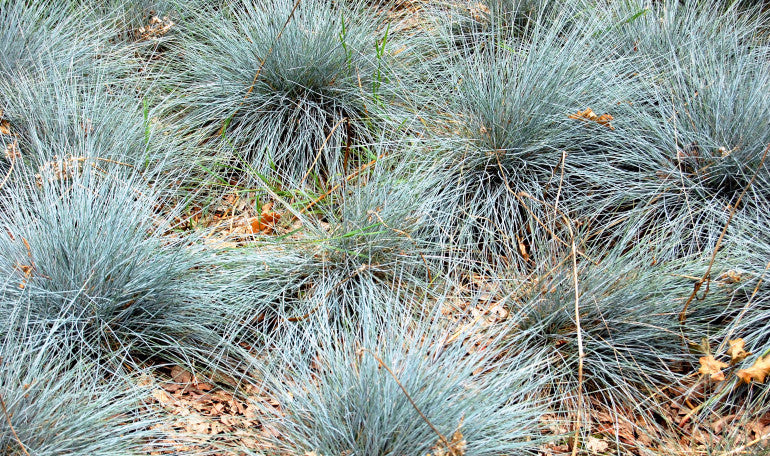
<point>712,367</point>
<point>264,222</point>
<point>731,277</point>
<point>590,115</point>
<point>757,372</point>
<point>737,351</point>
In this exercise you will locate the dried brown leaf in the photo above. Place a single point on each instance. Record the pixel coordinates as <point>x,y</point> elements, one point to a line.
<point>731,277</point>
<point>712,367</point>
<point>162,397</point>
<point>196,424</point>
<point>454,447</point>
<point>156,28</point>
<point>180,375</point>
<point>12,151</point>
<point>591,116</point>
<point>757,372</point>
<point>737,351</point>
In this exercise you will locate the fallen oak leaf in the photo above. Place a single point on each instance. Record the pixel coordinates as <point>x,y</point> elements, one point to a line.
<point>605,119</point>
<point>590,115</point>
<point>156,28</point>
<point>711,367</point>
<point>757,372</point>
<point>264,222</point>
<point>737,351</point>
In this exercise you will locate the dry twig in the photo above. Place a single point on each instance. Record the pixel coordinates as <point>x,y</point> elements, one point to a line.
<point>408,397</point>
<point>320,149</point>
<point>707,275</point>
<point>261,65</point>
<point>8,417</point>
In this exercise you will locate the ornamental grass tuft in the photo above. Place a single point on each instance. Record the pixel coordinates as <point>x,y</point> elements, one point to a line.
<point>292,89</point>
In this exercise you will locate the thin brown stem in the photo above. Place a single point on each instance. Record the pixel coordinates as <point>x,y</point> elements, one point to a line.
<point>581,353</point>
<point>320,149</point>
<point>261,65</point>
<point>707,275</point>
<point>408,397</point>
<point>578,327</point>
<point>13,431</point>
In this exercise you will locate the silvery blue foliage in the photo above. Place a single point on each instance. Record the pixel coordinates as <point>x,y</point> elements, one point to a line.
<point>55,403</point>
<point>338,394</point>
<point>322,83</point>
<point>87,251</point>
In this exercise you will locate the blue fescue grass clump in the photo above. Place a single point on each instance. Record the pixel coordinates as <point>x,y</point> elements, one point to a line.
<point>88,213</point>
<point>40,33</point>
<point>59,119</point>
<point>691,134</point>
<point>634,343</point>
<point>460,30</point>
<point>322,82</point>
<point>41,36</point>
<point>55,403</point>
<point>88,253</point>
<point>338,394</point>
<point>142,33</point>
<point>511,105</point>
<point>35,38</point>
<point>359,245</point>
